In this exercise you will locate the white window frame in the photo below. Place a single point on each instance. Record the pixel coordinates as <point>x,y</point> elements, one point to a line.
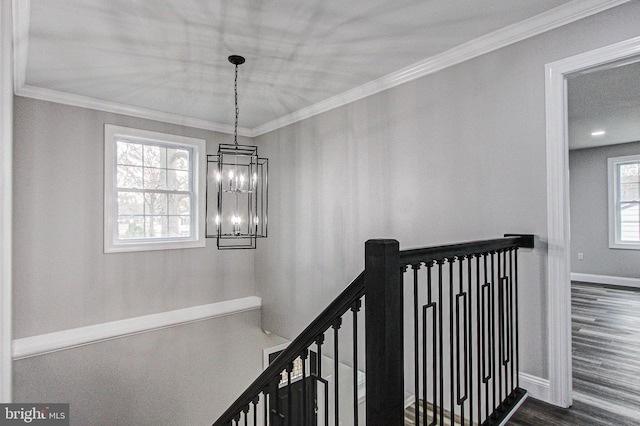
<point>198,149</point>
<point>614,215</point>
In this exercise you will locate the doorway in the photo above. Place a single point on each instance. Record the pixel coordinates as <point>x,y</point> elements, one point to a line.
<point>559,291</point>
<point>296,395</point>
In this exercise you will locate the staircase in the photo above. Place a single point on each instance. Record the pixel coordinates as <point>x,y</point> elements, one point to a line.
<point>440,323</point>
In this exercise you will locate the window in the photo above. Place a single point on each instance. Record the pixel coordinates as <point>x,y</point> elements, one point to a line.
<point>624,202</point>
<point>151,190</point>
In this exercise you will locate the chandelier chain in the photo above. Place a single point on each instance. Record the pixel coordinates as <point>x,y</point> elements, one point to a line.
<point>235,132</point>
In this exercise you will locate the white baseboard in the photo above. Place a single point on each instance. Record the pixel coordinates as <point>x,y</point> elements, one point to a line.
<point>536,387</point>
<point>605,279</point>
<point>75,337</point>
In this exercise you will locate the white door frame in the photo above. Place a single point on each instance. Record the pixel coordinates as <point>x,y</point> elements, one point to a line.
<point>558,287</point>
<point>6,188</point>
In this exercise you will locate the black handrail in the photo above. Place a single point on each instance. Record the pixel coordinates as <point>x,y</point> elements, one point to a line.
<point>309,335</point>
<point>428,254</point>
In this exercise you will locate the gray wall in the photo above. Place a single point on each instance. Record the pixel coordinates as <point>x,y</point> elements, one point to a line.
<point>62,280</point>
<point>184,375</point>
<point>454,156</point>
<point>590,214</point>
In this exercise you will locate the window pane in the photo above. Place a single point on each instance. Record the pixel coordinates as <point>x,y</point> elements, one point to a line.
<point>130,203</point>
<point>155,156</point>
<point>130,227</point>
<point>178,159</point>
<point>179,204</point>
<point>629,191</point>
<point>155,179</point>
<point>155,204</point>
<point>179,226</point>
<point>629,172</point>
<point>155,226</point>
<point>177,180</point>
<point>129,177</point>
<point>129,153</point>
<point>630,222</point>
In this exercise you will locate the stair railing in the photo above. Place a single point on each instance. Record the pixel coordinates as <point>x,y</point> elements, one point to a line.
<point>463,334</point>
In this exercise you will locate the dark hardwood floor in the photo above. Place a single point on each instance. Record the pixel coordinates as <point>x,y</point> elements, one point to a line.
<point>606,362</point>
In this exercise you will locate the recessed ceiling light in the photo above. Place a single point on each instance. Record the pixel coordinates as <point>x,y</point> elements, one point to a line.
<point>598,133</point>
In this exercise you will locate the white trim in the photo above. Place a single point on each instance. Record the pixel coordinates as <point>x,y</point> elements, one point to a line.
<point>554,18</point>
<point>49,95</point>
<point>21,17</point>
<point>198,149</point>
<point>6,190</point>
<point>409,399</point>
<point>605,279</point>
<point>613,193</point>
<point>268,351</point>
<point>558,288</point>
<point>76,337</point>
<point>536,387</point>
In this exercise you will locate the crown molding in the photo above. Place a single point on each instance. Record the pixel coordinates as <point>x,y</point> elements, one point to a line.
<point>546,21</point>
<point>43,94</point>
<point>75,337</point>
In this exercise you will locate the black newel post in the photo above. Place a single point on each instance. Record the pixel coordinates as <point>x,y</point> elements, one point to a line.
<point>384,337</point>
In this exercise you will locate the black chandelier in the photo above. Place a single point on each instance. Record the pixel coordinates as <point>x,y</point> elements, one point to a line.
<point>237,191</point>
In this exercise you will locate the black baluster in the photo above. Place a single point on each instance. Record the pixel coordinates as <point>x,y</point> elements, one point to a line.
<point>305,407</point>
<point>478,337</point>
<point>255,409</point>
<point>516,327</point>
<point>355,308</point>
<point>289,397</point>
<point>336,326</point>
<point>486,336</point>
<point>319,342</point>
<point>470,341</point>
<point>492,334</point>
<point>277,404</point>
<point>416,350</point>
<point>461,349</point>
<point>511,320</point>
<point>451,343</point>
<point>265,406</point>
<point>507,324</point>
<point>500,312</point>
<point>425,309</point>
<point>441,340</point>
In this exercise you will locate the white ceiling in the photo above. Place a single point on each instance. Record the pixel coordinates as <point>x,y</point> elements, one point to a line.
<point>605,99</point>
<point>167,59</point>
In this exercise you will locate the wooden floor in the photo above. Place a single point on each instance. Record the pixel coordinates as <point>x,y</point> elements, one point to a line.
<point>606,362</point>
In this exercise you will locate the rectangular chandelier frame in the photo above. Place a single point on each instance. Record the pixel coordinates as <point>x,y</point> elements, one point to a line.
<point>237,196</point>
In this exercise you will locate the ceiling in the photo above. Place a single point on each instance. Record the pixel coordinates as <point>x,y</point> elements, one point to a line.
<point>605,99</point>
<point>167,60</point>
